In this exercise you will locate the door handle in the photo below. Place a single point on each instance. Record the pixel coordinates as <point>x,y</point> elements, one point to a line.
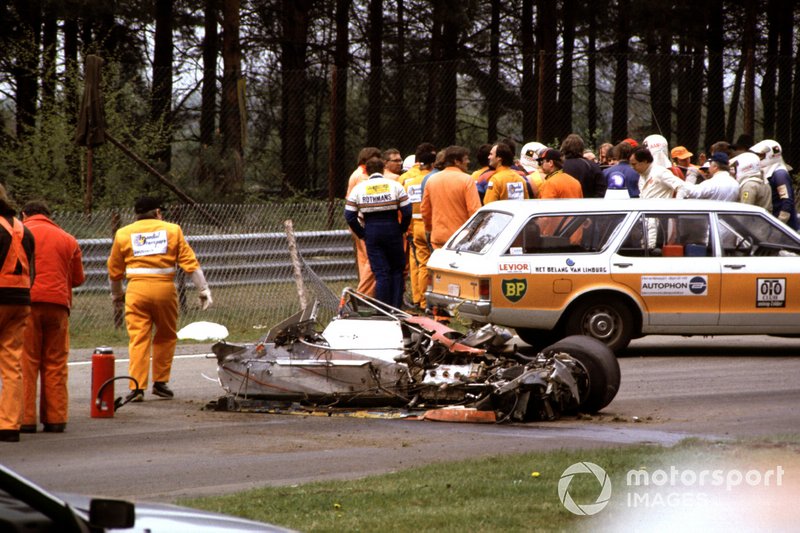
<point>623,265</point>
<point>734,267</point>
<point>454,265</point>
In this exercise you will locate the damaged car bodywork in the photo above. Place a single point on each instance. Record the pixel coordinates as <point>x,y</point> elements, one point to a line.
<point>373,355</point>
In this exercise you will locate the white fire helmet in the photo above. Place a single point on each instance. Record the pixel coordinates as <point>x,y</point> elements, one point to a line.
<point>771,156</point>
<point>746,165</point>
<point>658,147</point>
<point>529,154</point>
<point>408,162</point>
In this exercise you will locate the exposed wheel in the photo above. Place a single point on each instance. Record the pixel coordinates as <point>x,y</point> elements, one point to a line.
<point>537,338</point>
<point>607,320</point>
<point>601,375</point>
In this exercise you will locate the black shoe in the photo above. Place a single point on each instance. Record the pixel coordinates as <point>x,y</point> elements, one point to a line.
<point>136,395</point>
<point>27,428</point>
<point>160,389</point>
<point>9,435</point>
<point>55,428</point>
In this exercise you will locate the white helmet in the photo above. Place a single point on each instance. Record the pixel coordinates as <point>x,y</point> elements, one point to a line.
<point>771,156</point>
<point>746,165</point>
<point>529,154</point>
<point>408,162</point>
<point>658,147</point>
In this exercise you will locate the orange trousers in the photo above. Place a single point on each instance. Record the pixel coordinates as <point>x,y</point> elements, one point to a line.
<point>46,354</point>
<point>151,316</point>
<point>13,319</point>
<point>366,279</point>
<point>418,256</point>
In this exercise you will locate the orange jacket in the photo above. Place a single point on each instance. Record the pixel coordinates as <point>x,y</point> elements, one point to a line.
<point>150,249</point>
<point>450,197</point>
<point>505,184</point>
<point>59,266</point>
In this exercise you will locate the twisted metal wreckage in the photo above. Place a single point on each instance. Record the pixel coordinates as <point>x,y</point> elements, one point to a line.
<point>373,355</point>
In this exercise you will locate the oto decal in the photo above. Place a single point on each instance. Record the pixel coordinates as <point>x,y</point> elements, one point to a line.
<point>771,292</point>
<point>514,289</point>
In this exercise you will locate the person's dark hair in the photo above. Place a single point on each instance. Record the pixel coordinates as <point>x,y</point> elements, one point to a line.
<point>721,146</point>
<point>512,145</point>
<point>387,154</point>
<point>573,146</point>
<point>374,165</point>
<point>36,207</point>
<point>6,204</point>
<point>439,163</point>
<point>368,153</point>
<point>643,155</point>
<point>504,152</point>
<point>622,151</point>
<point>482,155</point>
<point>721,166</point>
<point>454,153</point>
<point>425,154</point>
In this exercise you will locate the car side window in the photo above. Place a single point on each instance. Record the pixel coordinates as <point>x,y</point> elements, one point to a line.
<point>668,235</point>
<point>564,233</point>
<point>746,234</point>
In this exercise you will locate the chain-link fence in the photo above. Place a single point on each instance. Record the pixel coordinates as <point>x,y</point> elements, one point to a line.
<point>244,253</point>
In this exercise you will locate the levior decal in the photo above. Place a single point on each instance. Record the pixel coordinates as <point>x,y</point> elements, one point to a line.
<point>513,267</point>
<point>674,285</point>
<point>514,289</point>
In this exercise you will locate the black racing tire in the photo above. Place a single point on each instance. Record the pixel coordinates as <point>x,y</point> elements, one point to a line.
<point>602,372</point>
<point>606,319</point>
<point>538,338</point>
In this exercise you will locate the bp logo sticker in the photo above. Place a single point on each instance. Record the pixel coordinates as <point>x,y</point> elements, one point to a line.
<point>514,289</point>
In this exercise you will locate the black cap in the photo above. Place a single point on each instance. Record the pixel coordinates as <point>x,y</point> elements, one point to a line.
<point>146,203</point>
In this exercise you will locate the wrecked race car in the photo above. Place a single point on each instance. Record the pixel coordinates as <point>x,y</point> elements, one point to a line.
<point>373,355</point>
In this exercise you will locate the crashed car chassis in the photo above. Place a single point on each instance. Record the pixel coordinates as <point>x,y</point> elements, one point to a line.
<point>373,355</point>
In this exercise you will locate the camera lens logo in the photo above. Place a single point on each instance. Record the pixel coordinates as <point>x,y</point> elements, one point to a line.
<point>587,508</point>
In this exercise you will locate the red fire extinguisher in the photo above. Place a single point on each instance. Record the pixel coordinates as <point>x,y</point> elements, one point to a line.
<point>103,383</point>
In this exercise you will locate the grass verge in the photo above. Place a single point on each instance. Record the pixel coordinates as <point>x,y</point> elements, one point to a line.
<point>521,492</point>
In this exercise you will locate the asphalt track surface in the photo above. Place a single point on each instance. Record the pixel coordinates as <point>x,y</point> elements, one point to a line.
<point>672,388</point>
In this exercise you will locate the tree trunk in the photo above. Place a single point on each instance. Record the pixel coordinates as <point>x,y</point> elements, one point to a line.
<point>783,126</point>
<point>375,79</point>
<point>405,136</point>
<point>619,119</point>
<point>794,145</point>
<point>71,94</point>
<point>748,58</point>
<point>528,89</point>
<point>26,66</point>
<point>658,65</point>
<point>448,81</point>
<point>547,39</point>
<point>733,109</point>
<point>591,92</point>
<point>208,100</point>
<point>770,70</point>
<point>161,95</point>
<point>715,109</point>
<point>564,126</point>
<point>431,99</point>
<point>49,49</point>
<point>337,171</point>
<point>295,19</point>
<point>492,97</point>
<point>232,183</point>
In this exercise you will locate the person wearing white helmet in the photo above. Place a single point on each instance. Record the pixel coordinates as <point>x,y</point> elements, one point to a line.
<point>661,155</point>
<point>753,188</point>
<point>529,161</point>
<point>780,181</point>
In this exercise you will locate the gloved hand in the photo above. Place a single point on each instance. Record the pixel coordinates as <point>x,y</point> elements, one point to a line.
<point>784,216</point>
<point>205,298</point>
<point>682,193</point>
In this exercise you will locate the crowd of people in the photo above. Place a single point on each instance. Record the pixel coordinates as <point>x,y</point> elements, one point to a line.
<point>40,264</point>
<point>427,196</point>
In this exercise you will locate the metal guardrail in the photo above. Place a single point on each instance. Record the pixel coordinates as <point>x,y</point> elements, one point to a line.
<point>243,258</point>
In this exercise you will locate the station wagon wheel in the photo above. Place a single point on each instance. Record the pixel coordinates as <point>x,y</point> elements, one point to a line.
<point>599,373</point>
<point>607,320</point>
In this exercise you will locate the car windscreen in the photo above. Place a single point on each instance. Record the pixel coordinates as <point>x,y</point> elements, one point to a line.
<point>480,232</point>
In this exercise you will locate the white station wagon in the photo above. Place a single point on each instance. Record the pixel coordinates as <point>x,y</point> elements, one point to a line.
<point>621,269</point>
